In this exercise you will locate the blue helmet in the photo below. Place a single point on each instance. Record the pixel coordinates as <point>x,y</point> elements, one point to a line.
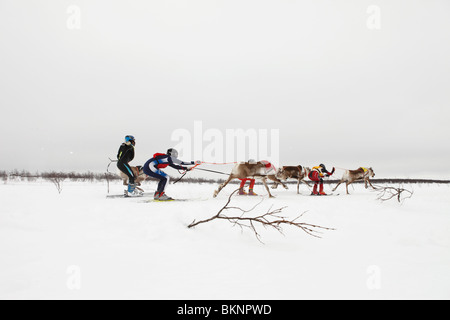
<point>130,139</point>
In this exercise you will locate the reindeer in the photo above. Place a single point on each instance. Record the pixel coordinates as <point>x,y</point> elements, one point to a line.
<point>138,173</point>
<point>351,176</point>
<point>249,170</point>
<point>287,172</point>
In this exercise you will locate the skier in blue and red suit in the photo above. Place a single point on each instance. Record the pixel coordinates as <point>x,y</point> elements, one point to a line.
<point>160,161</point>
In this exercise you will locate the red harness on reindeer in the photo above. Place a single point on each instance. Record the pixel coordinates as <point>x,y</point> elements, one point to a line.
<point>267,167</point>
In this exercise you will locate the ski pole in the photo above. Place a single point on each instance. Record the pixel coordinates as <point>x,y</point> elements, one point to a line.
<point>186,172</point>
<point>213,171</point>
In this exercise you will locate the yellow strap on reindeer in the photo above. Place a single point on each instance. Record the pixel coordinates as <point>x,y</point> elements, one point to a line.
<point>365,169</point>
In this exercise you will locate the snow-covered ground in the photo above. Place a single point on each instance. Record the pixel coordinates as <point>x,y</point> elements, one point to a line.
<point>80,245</point>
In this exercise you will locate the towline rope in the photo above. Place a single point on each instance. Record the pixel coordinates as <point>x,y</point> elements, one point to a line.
<point>219,163</point>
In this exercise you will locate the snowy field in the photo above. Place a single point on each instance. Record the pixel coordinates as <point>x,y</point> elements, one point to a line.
<point>80,245</point>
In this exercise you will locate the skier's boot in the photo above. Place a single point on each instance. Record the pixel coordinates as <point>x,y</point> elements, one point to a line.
<point>135,193</point>
<point>131,187</point>
<point>321,192</point>
<point>164,197</point>
<point>156,196</point>
<point>132,192</point>
<point>252,193</point>
<point>242,192</point>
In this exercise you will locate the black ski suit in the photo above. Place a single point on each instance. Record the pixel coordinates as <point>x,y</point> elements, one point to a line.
<point>125,155</point>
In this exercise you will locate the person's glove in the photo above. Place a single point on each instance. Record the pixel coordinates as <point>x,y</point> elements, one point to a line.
<point>197,162</point>
<point>330,173</point>
<point>187,169</point>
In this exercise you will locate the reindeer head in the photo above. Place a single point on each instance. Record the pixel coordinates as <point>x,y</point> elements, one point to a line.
<point>371,173</point>
<point>280,173</point>
<point>307,170</point>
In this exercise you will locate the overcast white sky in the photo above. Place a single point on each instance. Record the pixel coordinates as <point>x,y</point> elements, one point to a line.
<point>339,92</point>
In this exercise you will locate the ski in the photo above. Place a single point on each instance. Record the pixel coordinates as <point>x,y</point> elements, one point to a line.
<point>174,200</point>
<point>118,196</point>
<point>171,200</point>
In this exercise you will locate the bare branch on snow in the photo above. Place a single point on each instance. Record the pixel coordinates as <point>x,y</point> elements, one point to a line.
<point>272,218</point>
<point>388,193</point>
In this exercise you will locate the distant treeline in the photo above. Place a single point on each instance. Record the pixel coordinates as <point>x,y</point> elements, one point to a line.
<point>85,176</point>
<point>75,176</point>
<point>91,176</point>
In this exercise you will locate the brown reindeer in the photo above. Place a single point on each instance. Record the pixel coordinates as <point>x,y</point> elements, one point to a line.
<point>351,176</point>
<point>287,172</point>
<point>138,173</point>
<point>246,170</point>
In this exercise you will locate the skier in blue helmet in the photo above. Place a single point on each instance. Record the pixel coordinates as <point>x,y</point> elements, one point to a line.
<point>124,156</point>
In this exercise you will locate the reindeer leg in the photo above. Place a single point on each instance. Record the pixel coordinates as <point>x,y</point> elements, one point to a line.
<point>346,187</point>
<point>371,184</point>
<point>267,188</point>
<point>222,186</point>
<point>305,182</point>
<point>334,189</point>
<point>277,182</point>
<point>298,186</point>
<point>284,186</point>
